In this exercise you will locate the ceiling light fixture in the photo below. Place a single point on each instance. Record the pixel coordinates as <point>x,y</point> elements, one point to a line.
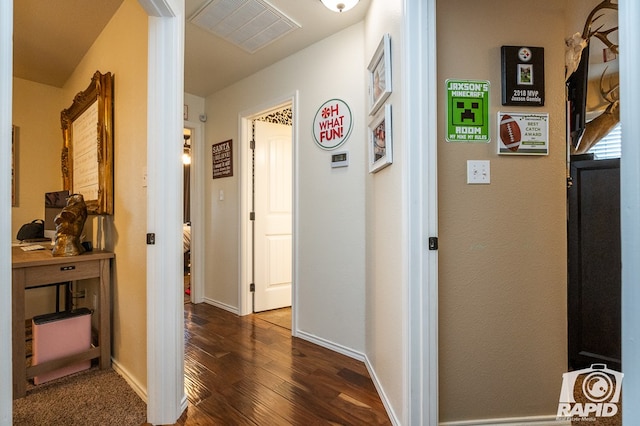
<point>339,5</point>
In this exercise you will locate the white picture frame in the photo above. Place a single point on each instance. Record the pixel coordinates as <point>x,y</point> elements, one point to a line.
<point>380,75</point>
<point>380,140</point>
<point>529,133</point>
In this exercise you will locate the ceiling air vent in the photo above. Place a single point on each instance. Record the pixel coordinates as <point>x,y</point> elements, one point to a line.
<point>249,24</point>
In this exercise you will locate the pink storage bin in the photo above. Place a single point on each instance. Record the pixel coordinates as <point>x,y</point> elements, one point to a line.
<point>58,335</point>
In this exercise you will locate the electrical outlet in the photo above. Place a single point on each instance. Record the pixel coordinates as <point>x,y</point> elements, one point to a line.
<point>478,172</point>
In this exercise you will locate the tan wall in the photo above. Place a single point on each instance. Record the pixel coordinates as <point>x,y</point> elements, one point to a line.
<point>122,49</point>
<point>502,280</point>
<point>36,113</point>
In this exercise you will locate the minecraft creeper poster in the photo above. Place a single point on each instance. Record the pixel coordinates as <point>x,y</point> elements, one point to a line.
<point>468,111</point>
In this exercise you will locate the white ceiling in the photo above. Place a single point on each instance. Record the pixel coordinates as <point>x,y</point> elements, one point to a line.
<point>51,37</point>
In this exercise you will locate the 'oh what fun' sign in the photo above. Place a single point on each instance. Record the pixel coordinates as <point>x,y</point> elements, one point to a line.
<point>332,124</point>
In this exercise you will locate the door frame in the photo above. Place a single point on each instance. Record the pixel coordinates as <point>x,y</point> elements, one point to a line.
<point>244,238</point>
<point>629,36</point>
<point>166,398</point>
<point>6,106</point>
<point>421,210</point>
<point>197,210</point>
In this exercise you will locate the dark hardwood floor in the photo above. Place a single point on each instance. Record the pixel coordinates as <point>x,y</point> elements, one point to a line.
<point>281,317</point>
<point>249,371</point>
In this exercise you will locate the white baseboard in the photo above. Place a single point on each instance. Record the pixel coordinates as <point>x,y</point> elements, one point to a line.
<point>383,397</point>
<point>330,345</point>
<point>512,421</point>
<point>228,308</point>
<point>134,384</point>
<point>184,404</point>
<point>358,356</point>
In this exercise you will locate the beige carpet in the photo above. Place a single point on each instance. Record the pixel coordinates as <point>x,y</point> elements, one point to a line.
<point>93,397</point>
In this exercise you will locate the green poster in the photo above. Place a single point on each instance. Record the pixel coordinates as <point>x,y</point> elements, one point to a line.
<point>468,111</point>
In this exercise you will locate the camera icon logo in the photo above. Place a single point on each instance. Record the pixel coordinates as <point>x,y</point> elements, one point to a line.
<point>598,389</point>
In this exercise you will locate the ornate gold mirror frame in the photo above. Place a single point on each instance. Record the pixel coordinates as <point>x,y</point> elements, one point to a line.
<point>87,152</point>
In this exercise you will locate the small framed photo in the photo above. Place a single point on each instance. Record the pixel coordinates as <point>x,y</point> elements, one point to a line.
<point>525,74</point>
<point>380,140</point>
<point>380,75</point>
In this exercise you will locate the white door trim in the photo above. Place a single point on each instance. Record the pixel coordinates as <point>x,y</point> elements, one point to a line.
<point>244,189</point>
<point>420,122</point>
<point>165,301</point>
<point>629,35</point>
<point>197,210</point>
<point>6,98</point>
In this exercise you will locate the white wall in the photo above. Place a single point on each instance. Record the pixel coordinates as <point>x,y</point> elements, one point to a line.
<point>386,258</point>
<point>195,107</point>
<point>331,250</point>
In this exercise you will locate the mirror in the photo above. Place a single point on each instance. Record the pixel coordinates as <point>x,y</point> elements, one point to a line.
<point>87,152</point>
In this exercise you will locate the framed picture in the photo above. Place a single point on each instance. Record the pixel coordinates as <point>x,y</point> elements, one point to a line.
<point>222,157</point>
<point>87,151</point>
<point>380,141</point>
<point>525,74</point>
<point>522,69</point>
<point>523,133</point>
<point>380,75</point>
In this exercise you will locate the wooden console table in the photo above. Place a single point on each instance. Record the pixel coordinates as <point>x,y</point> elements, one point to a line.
<point>37,268</point>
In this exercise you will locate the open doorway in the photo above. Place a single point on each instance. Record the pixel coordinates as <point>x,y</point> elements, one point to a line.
<point>268,266</point>
<point>193,211</point>
<point>594,292</point>
<point>186,213</point>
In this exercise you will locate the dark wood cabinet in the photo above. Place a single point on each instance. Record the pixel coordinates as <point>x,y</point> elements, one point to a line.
<point>594,288</point>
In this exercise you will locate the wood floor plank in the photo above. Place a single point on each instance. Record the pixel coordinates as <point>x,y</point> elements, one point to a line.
<point>251,371</point>
<point>263,405</point>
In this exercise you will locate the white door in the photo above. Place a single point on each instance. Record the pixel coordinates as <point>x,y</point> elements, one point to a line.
<point>272,226</point>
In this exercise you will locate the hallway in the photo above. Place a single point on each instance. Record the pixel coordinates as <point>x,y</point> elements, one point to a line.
<point>245,370</point>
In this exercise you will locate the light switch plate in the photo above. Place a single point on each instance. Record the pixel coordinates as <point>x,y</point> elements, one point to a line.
<point>478,172</point>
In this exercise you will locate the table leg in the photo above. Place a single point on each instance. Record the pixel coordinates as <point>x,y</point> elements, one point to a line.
<point>68,295</point>
<point>104,335</point>
<point>18,335</point>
